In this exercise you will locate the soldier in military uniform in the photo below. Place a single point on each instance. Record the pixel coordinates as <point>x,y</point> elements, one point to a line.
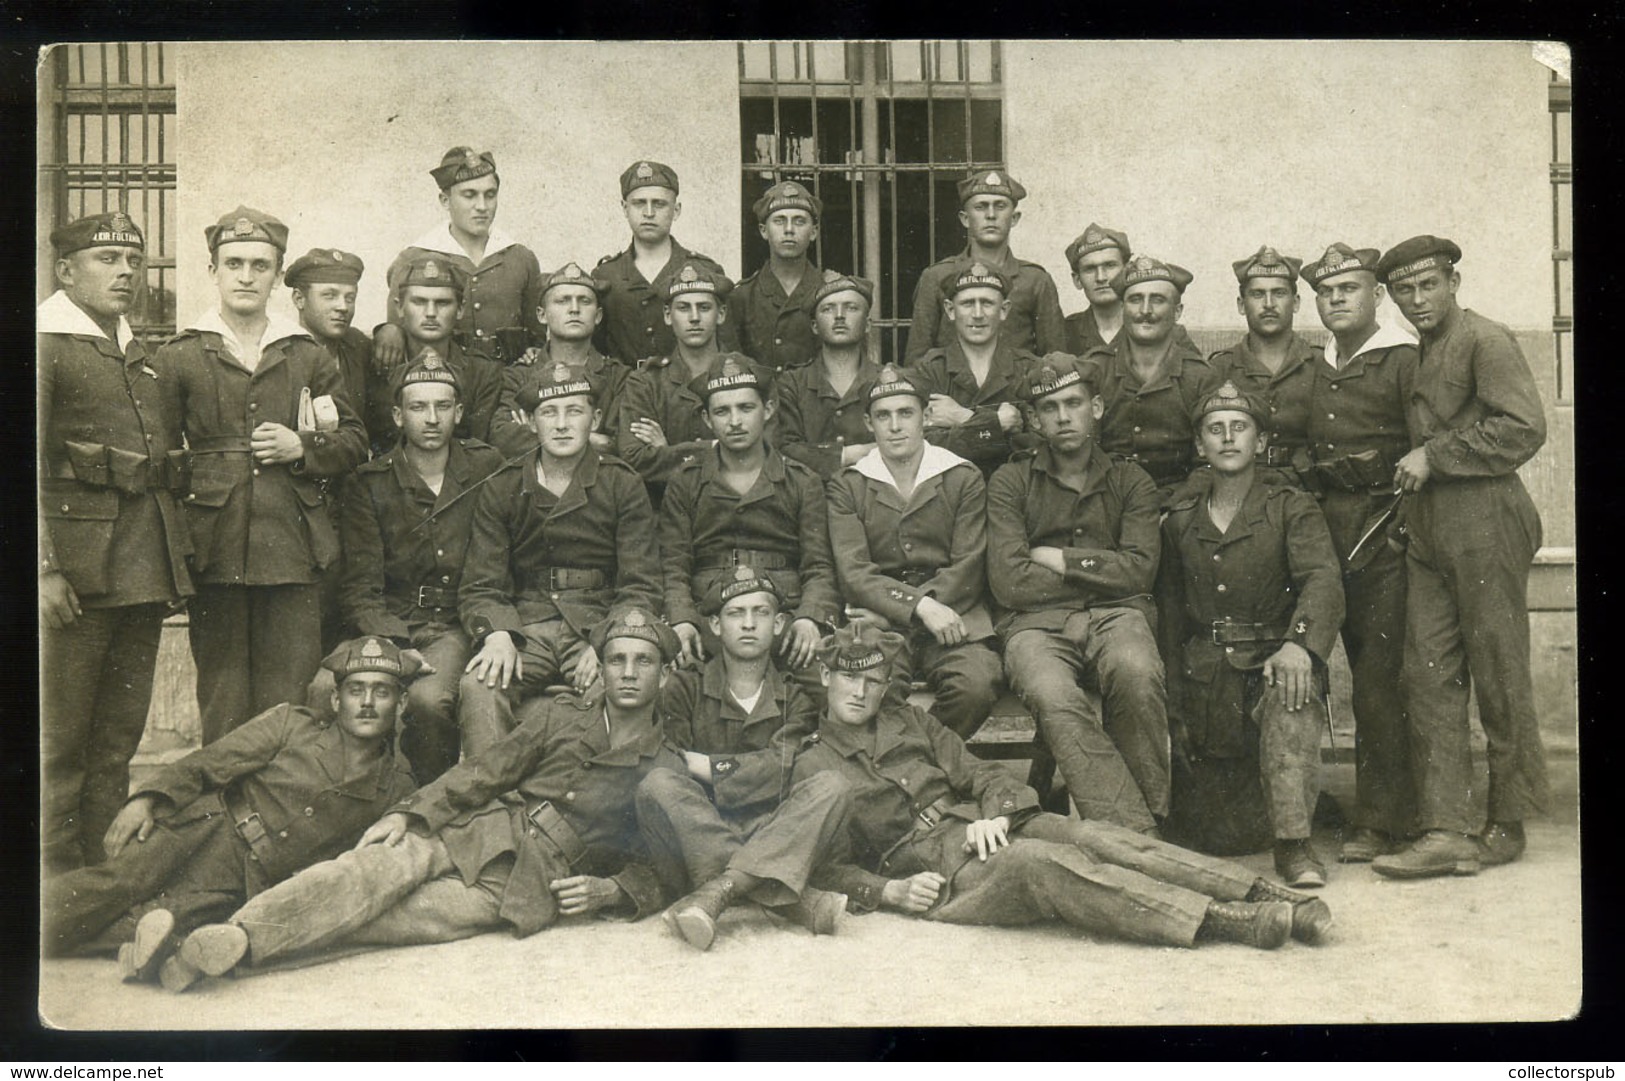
<point>732,823</point>
<point>936,833</point>
<point>571,312</point>
<point>768,307</point>
<point>538,828</point>
<point>1034,322</point>
<point>1249,599</point>
<point>1071,554</point>
<point>1096,256</point>
<point>428,294</point>
<point>562,541</point>
<point>820,404</point>
<point>1475,418</point>
<point>661,424</point>
<point>1149,380</point>
<point>287,789</point>
<point>974,383</point>
<point>1358,431</point>
<point>112,543</point>
<point>406,521</point>
<point>908,525</point>
<point>323,284</point>
<point>742,503</point>
<point>265,415</point>
<point>1272,361</point>
<point>503,280</point>
<point>634,283</point>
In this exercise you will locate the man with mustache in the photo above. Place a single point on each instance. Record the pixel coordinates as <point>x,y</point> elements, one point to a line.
<point>265,417</point>
<point>1475,417</point>
<point>286,789</point>
<point>819,405</point>
<point>987,210</point>
<point>767,306</point>
<point>112,541</point>
<point>406,521</point>
<point>538,827</point>
<point>429,294</point>
<point>634,283</point>
<point>503,278</point>
<point>1096,256</point>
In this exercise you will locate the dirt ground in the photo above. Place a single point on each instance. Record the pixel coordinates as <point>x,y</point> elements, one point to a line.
<point>1499,947</point>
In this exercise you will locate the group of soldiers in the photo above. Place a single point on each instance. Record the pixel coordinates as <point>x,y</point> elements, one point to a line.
<point>644,567</point>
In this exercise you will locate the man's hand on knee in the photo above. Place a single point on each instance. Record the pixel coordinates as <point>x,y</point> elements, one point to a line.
<point>498,661</point>
<point>389,830</point>
<point>1291,672</point>
<point>987,835</point>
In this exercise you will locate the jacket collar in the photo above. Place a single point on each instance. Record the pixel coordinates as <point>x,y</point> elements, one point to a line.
<point>1386,337</point>
<point>867,371</point>
<point>770,285</point>
<point>575,495</point>
<point>874,739</point>
<point>1298,352</point>
<point>58,314</point>
<point>1250,512</point>
<point>645,741</point>
<point>714,685</point>
<point>1001,371</point>
<point>935,462</point>
<point>772,468</point>
<point>277,328</point>
<point>456,477</point>
<point>330,756</point>
<point>1094,470</point>
<point>439,239</point>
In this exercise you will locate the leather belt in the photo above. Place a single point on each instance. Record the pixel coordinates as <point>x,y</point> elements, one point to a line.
<point>915,576</point>
<point>220,444</point>
<point>557,578</point>
<point>553,825</point>
<point>248,824</point>
<point>435,597</point>
<point>1361,472</point>
<point>744,557</point>
<point>102,466</point>
<point>1226,632</point>
<point>929,816</point>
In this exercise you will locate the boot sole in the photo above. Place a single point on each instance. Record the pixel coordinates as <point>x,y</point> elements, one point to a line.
<point>697,928</point>
<point>1463,868</point>
<point>1274,925</point>
<point>176,975</point>
<point>215,950</point>
<point>1311,920</point>
<point>136,958</point>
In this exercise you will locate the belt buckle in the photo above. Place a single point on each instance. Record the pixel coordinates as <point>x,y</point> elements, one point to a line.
<point>251,822</point>
<point>534,813</point>
<point>733,557</point>
<point>925,816</point>
<point>1216,628</point>
<point>422,600</point>
<point>553,580</point>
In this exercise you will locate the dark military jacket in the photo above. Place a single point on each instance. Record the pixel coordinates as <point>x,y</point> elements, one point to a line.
<point>404,544</point>
<point>982,439</point>
<point>1362,406</point>
<point>1035,323</point>
<point>368,391</point>
<point>1107,531</point>
<point>255,524</point>
<point>286,765</point>
<point>109,461</point>
<point>1150,423</point>
<point>1288,392</point>
<point>527,373</point>
<point>521,531</point>
<point>1474,405</point>
<point>891,551</point>
<point>504,291</point>
<point>703,522</point>
<point>901,764</point>
<point>774,329</point>
<point>1083,334</point>
<point>751,753</point>
<point>561,757</point>
<point>816,424</point>
<point>1274,568</point>
<point>663,391</point>
<point>634,326</point>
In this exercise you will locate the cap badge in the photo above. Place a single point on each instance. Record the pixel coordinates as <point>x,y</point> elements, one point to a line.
<point>1093,236</point>
<point>372,648</point>
<point>119,222</point>
<point>1267,255</point>
<point>743,573</point>
<point>635,618</point>
<point>688,274</point>
<point>1332,257</point>
<point>242,227</point>
<point>431,269</point>
<point>992,180</point>
<point>1229,390</point>
<point>572,271</point>
<point>1143,262</point>
<point>643,172</point>
<point>471,160</point>
<point>730,367</point>
<point>832,275</point>
<point>430,361</point>
<point>338,256</point>
<point>978,270</point>
<point>561,372</point>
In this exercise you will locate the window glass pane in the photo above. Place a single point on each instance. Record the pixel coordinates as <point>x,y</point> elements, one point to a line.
<point>947,67</point>
<point>981,61</point>
<point>986,131</point>
<point>838,227</point>
<point>756,130</point>
<point>795,130</point>
<point>829,61</point>
<point>789,60</point>
<point>948,130</point>
<point>905,61</point>
<point>948,233</point>
<point>912,130</point>
<point>913,237</point>
<point>758,61</point>
<point>835,137</point>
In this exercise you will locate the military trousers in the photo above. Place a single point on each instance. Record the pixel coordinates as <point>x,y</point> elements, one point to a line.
<point>255,647</point>
<point>96,687</point>
<point>1115,761</point>
<point>1095,876</point>
<point>691,840</point>
<point>549,656</point>
<point>1374,638</point>
<point>1467,626</point>
<point>965,679</point>
<point>380,895</point>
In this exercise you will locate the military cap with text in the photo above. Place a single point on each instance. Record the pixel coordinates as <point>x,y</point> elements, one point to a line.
<point>1266,262</point>
<point>859,647</point>
<point>370,654</point>
<point>890,382</point>
<point>648,174</point>
<point>1229,396</point>
<point>319,265</point>
<point>732,371</point>
<point>560,380</point>
<point>787,195</point>
<point>1340,259</point>
<point>246,223</point>
<point>991,182</point>
<point>1057,371</point>
<point>114,230</point>
<point>1416,255</point>
<point>572,274</point>
<point>836,282</point>
<point>976,275</point>
<point>1145,268</point>
<point>698,278</point>
<point>461,164</point>
<point>427,367</point>
<point>747,580</point>
<point>637,623</point>
<point>431,270</point>
<point>1095,238</point>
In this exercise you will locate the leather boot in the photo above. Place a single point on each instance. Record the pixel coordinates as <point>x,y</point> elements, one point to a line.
<point>212,950</point>
<point>1364,845</point>
<point>1297,864</point>
<point>1438,852</point>
<point>1265,925</point>
<point>695,916</point>
<point>139,960</point>
<point>1502,842</point>
<point>816,910</point>
<point>1311,917</point>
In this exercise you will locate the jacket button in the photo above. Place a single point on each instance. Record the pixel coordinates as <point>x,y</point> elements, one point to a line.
<point>1221,587</point>
<point>476,305</point>
<point>439,551</point>
<point>908,546</point>
<point>1229,649</point>
<point>445,579</point>
<point>256,471</point>
<point>283,835</point>
<point>569,795</point>
<point>252,406</point>
<point>586,765</point>
<point>65,506</point>
<point>1215,557</point>
<point>1331,416</point>
<point>1136,429</point>
<point>532,831</point>
<point>309,811</point>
